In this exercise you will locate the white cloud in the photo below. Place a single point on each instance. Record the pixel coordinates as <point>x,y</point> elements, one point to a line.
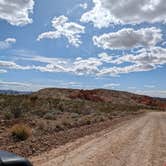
<point>63,28</point>
<point>49,67</point>
<point>91,66</point>
<point>53,68</point>
<point>153,93</point>
<point>12,65</point>
<point>76,66</point>
<point>2,71</point>
<point>83,5</point>
<point>111,85</point>
<point>114,71</point>
<point>149,86</point>
<point>4,83</point>
<point>104,57</point>
<point>132,87</point>
<point>128,38</point>
<point>34,86</point>
<point>7,43</point>
<point>18,86</point>
<point>76,9</point>
<point>70,84</point>
<point>31,56</point>
<point>164,43</point>
<point>152,56</point>
<point>86,66</point>
<point>106,12</point>
<point>143,60</point>
<point>16,12</point>
<point>98,15</point>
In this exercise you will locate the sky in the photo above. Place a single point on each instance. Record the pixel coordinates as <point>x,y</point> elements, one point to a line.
<point>110,44</point>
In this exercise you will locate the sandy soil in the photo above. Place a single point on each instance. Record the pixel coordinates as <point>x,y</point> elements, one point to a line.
<point>137,142</point>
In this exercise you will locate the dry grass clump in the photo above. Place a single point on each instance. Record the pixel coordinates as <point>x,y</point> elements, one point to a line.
<point>8,115</point>
<point>21,132</point>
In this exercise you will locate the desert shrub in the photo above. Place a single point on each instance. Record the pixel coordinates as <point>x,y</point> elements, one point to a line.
<point>33,98</point>
<point>8,115</point>
<point>50,116</point>
<point>67,123</point>
<point>21,132</point>
<point>16,112</point>
<point>16,109</point>
<point>86,121</point>
<point>59,127</point>
<point>14,104</point>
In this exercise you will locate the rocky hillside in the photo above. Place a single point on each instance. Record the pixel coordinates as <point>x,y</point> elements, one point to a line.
<point>102,95</point>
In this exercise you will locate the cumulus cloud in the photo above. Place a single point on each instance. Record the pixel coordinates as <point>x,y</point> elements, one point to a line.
<point>63,28</point>
<point>78,66</point>
<point>99,16</point>
<point>7,43</point>
<point>129,38</point>
<point>16,12</point>
<point>106,12</point>
<point>86,66</point>
<point>52,68</point>
<point>154,56</point>
<point>104,57</point>
<point>144,60</point>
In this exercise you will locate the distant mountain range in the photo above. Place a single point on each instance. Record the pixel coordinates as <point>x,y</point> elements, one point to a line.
<point>13,92</point>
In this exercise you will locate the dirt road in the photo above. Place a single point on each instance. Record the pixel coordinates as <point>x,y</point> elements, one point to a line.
<point>137,142</point>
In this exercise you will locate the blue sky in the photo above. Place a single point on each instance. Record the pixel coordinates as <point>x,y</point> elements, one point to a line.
<point>89,44</point>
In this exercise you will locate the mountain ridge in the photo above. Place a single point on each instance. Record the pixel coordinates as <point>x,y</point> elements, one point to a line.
<point>101,95</point>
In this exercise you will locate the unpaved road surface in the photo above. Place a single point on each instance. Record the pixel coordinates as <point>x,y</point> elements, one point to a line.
<point>137,142</point>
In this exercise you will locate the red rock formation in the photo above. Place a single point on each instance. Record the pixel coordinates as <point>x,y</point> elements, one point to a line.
<point>86,95</point>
